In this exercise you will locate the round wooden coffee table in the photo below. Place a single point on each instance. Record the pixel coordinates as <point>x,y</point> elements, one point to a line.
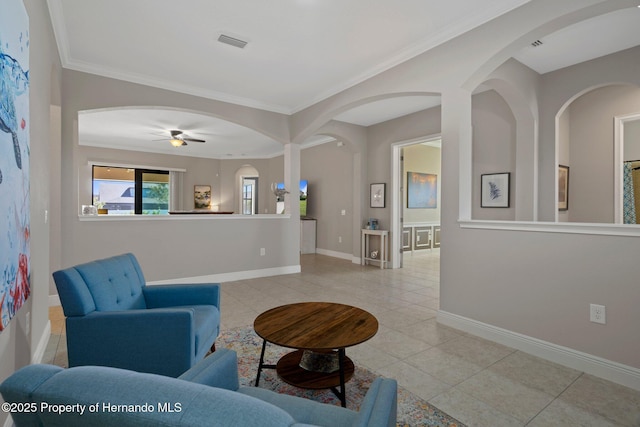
<point>320,327</point>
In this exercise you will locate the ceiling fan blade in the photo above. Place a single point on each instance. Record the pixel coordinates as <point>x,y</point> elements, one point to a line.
<point>193,140</point>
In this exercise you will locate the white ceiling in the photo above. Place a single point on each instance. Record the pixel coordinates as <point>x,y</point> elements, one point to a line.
<point>299,52</point>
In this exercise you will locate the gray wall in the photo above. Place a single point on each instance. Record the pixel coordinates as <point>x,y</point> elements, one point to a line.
<point>632,140</point>
<point>591,143</point>
<point>328,170</point>
<point>494,151</point>
<point>382,137</point>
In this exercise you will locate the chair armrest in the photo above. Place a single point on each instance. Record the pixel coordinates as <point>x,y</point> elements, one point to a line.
<point>157,296</point>
<point>148,340</point>
<point>219,369</point>
<point>380,405</point>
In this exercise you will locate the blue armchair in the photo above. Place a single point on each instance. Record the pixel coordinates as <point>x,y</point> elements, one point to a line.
<point>114,319</point>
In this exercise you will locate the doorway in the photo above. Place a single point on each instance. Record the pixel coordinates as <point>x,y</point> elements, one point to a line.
<point>415,197</point>
<point>250,195</point>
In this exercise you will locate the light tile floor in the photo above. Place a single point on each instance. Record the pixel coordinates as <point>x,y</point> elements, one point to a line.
<point>479,382</point>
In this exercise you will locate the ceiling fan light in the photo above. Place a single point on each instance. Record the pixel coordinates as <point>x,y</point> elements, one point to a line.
<point>176,142</point>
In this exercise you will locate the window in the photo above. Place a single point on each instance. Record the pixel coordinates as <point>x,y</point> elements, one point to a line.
<point>128,191</point>
<point>249,196</point>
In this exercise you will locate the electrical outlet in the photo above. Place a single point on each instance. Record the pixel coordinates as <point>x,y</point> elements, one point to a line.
<point>339,239</point>
<point>598,314</point>
<point>263,251</point>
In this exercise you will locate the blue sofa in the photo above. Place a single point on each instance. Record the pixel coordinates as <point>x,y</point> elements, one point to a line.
<point>206,395</point>
<point>114,319</point>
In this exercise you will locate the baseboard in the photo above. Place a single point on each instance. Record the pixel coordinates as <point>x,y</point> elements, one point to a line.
<point>231,277</point>
<point>334,254</point>
<point>612,371</point>
<point>54,300</point>
<point>38,355</point>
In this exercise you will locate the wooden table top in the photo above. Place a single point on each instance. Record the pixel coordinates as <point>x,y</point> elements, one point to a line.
<point>316,326</point>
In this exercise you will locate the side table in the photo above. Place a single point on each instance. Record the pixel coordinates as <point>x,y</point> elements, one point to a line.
<point>366,255</point>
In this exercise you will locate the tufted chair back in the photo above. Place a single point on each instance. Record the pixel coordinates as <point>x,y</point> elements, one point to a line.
<point>110,284</point>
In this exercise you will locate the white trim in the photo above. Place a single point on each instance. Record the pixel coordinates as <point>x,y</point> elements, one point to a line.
<point>9,421</point>
<point>38,355</point>
<point>603,368</point>
<point>396,183</point>
<point>629,230</point>
<point>130,166</point>
<point>335,254</point>
<point>231,277</point>
<point>54,300</point>
<point>173,217</point>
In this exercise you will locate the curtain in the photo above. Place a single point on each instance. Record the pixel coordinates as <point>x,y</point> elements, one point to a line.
<point>629,202</point>
<point>176,179</point>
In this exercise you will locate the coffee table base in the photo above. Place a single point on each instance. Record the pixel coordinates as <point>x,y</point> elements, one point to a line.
<point>289,370</point>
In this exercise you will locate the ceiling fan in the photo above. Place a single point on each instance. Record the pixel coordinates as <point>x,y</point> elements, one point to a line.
<point>179,138</point>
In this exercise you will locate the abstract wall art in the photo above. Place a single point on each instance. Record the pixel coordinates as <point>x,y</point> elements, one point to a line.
<point>15,261</point>
<point>422,190</point>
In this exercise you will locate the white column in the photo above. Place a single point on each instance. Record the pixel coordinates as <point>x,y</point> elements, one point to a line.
<point>292,185</point>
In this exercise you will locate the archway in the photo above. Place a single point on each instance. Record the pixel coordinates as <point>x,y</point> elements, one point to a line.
<point>590,144</point>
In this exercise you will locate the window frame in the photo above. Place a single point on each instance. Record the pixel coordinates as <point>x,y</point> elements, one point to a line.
<point>138,170</point>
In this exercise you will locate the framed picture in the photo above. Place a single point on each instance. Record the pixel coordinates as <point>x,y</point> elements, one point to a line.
<point>495,190</point>
<point>202,196</point>
<point>563,188</point>
<point>422,190</point>
<point>377,198</point>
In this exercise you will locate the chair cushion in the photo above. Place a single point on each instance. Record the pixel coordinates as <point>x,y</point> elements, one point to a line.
<point>206,319</point>
<point>304,411</point>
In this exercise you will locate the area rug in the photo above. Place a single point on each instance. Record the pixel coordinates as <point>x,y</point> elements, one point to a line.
<point>412,411</point>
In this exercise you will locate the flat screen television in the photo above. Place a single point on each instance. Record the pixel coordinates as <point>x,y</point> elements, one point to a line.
<point>303,198</point>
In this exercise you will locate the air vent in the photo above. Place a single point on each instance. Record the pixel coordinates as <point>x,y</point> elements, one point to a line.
<point>536,43</point>
<point>232,41</point>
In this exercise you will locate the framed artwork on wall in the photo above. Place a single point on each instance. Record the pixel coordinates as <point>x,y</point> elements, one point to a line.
<point>202,196</point>
<point>563,188</point>
<point>377,196</point>
<point>494,192</point>
<point>422,190</point>
<point>15,222</point>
